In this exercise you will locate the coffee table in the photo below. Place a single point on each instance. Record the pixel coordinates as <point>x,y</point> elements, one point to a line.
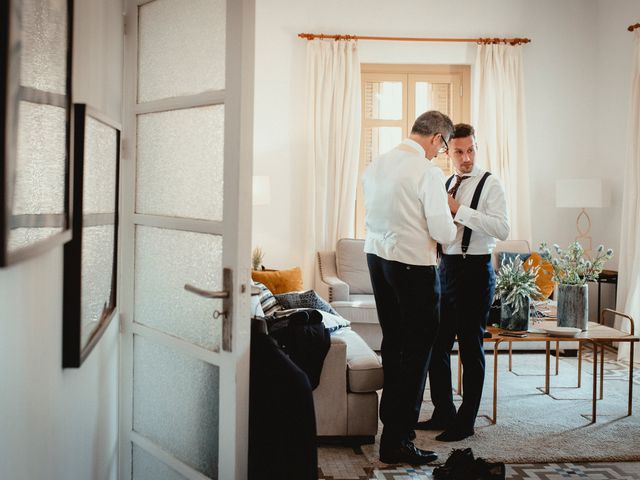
<point>597,335</point>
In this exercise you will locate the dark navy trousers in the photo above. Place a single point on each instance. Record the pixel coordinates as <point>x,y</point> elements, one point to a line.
<point>407,301</point>
<point>468,285</point>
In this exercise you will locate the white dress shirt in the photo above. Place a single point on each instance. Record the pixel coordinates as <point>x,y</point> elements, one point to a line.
<point>406,208</point>
<point>488,222</point>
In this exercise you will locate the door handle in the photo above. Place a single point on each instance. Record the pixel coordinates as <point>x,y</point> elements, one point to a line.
<point>225,295</point>
<point>206,293</point>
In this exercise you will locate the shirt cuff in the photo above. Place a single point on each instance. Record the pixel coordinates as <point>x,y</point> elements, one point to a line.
<point>463,215</point>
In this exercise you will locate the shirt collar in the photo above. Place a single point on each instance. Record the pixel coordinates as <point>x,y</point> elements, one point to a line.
<point>415,145</point>
<point>474,173</point>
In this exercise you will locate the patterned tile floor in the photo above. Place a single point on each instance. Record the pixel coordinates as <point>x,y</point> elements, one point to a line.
<point>350,463</point>
<point>550,471</point>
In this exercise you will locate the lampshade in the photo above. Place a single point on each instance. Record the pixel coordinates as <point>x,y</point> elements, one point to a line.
<point>582,193</point>
<point>261,190</point>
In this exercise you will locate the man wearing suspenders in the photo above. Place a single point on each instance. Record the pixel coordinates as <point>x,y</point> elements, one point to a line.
<point>478,205</point>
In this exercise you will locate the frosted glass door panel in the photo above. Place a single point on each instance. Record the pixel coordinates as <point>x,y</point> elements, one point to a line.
<point>100,155</point>
<point>148,467</point>
<point>383,100</point>
<point>433,96</point>
<point>23,237</point>
<point>180,163</point>
<point>38,196</point>
<point>165,261</point>
<point>43,62</point>
<point>97,276</point>
<point>379,140</point>
<point>181,49</point>
<point>40,163</point>
<point>176,404</point>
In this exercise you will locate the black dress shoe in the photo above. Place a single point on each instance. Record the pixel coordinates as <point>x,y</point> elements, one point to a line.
<point>454,435</point>
<point>488,470</point>
<point>406,452</point>
<point>432,424</point>
<point>459,466</point>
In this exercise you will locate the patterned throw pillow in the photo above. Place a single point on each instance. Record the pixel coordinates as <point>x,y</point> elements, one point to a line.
<point>507,256</point>
<point>268,302</point>
<point>334,322</point>
<point>307,299</point>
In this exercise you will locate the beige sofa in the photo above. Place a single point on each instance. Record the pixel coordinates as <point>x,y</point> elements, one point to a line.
<point>346,400</point>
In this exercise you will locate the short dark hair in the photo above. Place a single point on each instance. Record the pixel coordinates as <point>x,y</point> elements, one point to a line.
<point>431,123</point>
<point>463,130</point>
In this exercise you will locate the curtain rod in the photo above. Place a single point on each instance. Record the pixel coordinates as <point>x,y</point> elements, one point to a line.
<point>512,41</point>
<point>631,28</point>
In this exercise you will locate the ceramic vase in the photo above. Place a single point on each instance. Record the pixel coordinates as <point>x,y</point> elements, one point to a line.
<point>573,306</point>
<point>514,319</point>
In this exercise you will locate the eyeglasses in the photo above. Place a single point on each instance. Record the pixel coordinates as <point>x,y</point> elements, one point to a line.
<point>445,147</point>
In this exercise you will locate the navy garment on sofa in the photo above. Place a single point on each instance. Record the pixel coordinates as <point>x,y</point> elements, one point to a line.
<point>282,422</point>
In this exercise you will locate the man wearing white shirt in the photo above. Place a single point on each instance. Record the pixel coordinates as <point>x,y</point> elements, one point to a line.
<point>468,281</point>
<point>406,213</point>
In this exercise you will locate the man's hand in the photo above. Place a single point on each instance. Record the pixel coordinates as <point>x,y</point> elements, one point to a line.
<point>453,205</point>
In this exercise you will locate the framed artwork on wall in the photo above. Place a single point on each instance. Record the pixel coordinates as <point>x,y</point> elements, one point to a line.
<point>35,106</point>
<point>91,257</point>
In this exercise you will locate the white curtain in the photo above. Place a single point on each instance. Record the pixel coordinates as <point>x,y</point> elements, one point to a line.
<point>500,124</point>
<point>333,141</point>
<point>629,261</point>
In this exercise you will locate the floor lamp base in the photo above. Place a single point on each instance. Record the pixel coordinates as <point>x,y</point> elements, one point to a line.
<point>583,233</point>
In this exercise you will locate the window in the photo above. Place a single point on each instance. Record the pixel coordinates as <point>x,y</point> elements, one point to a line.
<point>393,96</point>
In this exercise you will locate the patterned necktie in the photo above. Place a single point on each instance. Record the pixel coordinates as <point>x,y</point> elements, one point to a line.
<point>456,185</point>
<point>452,192</point>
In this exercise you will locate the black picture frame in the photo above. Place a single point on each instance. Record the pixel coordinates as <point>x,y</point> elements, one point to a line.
<point>91,257</point>
<point>35,101</point>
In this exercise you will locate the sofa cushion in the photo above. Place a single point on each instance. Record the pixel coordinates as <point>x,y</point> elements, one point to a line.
<point>307,299</point>
<point>507,257</point>
<point>267,300</point>
<point>279,281</point>
<point>334,322</point>
<point>364,369</point>
<point>351,264</point>
<point>359,309</point>
<point>544,278</point>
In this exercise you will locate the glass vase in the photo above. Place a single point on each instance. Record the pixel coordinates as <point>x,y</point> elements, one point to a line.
<point>512,318</point>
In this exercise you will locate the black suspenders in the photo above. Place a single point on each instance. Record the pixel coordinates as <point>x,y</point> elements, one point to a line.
<point>466,235</point>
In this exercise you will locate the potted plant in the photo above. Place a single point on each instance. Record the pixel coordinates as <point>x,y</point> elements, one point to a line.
<point>515,286</point>
<point>572,270</point>
<point>256,258</point>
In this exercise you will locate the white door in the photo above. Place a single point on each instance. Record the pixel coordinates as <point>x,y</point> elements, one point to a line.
<point>186,176</point>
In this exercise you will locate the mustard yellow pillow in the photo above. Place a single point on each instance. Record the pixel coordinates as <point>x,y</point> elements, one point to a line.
<point>544,279</point>
<point>279,281</point>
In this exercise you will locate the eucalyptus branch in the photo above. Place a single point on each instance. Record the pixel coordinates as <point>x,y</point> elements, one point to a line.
<point>571,267</point>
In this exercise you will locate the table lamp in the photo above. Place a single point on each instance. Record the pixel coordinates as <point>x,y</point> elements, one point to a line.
<point>582,193</point>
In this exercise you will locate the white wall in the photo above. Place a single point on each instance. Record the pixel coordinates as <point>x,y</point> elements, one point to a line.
<point>577,71</point>
<point>61,424</point>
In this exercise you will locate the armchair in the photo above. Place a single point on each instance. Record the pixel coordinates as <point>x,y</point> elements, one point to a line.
<point>342,277</point>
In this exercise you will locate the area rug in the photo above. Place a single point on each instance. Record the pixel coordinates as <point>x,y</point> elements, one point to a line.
<point>534,427</point>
